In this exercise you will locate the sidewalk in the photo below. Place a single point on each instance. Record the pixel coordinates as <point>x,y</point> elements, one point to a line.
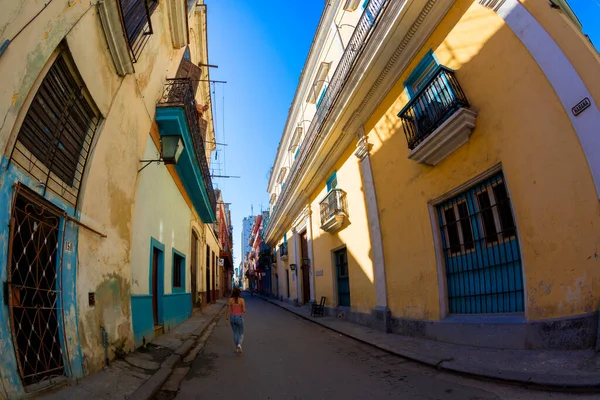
<point>576,369</point>
<point>140,374</point>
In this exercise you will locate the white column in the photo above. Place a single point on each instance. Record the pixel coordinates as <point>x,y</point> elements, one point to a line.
<point>297,261</point>
<point>362,152</point>
<point>311,270</point>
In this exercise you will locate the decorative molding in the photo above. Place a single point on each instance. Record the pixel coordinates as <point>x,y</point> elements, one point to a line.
<point>110,18</point>
<point>363,147</point>
<point>178,19</point>
<point>334,223</point>
<point>448,137</point>
<point>393,59</point>
<point>301,220</point>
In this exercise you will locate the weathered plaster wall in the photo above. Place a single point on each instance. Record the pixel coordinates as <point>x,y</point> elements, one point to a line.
<point>520,124</point>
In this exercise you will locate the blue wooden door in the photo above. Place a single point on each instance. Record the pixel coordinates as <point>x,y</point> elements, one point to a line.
<point>343,280</point>
<point>481,251</point>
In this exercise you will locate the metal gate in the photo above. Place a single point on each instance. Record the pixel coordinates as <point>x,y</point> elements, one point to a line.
<point>34,287</point>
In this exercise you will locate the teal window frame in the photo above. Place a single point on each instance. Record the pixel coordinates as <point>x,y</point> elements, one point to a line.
<point>332,182</point>
<point>370,15</point>
<point>187,54</point>
<point>296,153</point>
<point>322,95</point>
<point>422,73</point>
<point>178,289</point>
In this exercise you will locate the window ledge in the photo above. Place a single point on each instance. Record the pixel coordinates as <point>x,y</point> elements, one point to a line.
<point>110,17</point>
<point>178,21</point>
<point>334,223</point>
<point>442,142</point>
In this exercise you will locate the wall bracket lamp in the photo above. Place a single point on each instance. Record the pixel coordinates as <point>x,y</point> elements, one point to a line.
<point>171,148</point>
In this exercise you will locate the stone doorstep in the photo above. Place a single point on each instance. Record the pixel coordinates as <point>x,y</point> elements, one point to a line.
<point>533,377</point>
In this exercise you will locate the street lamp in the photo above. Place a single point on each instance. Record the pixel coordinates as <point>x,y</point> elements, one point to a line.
<point>293,267</point>
<point>305,262</point>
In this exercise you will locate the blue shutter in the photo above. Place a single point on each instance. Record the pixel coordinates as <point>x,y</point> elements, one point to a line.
<point>332,181</point>
<point>421,74</point>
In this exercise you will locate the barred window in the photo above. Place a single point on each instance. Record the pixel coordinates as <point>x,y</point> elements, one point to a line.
<point>136,15</point>
<point>57,130</point>
<point>481,251</point>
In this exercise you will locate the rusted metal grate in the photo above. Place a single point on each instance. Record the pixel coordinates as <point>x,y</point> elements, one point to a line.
<point>135,15</point>
<point>34,288</point>
<point>54,141</point>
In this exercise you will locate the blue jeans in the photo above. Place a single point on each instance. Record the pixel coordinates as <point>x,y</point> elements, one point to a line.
<point>237,325</point>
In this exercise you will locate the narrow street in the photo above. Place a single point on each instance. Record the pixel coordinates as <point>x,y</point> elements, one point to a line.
<point>286,357</point>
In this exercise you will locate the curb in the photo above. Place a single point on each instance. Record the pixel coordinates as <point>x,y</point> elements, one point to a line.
<point>153,384</point>
<point>538,381</point>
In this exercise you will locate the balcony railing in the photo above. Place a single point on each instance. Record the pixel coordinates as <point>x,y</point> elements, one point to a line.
<point>135,15</point>
<point>357,42</point>
<point>283,251</point>
<point>333,210</point>
<point>179,92</point>
<point>431,106</point>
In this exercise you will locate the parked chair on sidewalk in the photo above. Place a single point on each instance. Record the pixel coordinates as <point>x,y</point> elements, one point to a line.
<point>317,309</point>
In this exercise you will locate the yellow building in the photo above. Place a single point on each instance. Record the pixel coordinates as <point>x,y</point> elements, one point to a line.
<point>448,184</point>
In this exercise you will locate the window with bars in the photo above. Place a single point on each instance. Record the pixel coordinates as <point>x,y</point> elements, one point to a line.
<point>135,15</point>
<point>55,138</point>
<point>481,251</point>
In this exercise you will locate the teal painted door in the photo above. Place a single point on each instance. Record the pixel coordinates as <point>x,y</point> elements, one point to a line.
<point>343,281</point>
<point>481,251</point>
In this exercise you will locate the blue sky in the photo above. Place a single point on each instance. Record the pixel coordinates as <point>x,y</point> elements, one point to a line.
<point>588,12</point>
<point>260,50</point>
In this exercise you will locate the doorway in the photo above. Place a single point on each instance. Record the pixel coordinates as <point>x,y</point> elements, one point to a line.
<point>343,280</point>
<point>157,282</point>
<point>305,269</point>
<point>34,288</point>
<point>194,270</point>
<point>287,282</point>
<point>208,260</point>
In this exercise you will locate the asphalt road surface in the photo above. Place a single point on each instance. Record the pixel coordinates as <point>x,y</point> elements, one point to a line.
<point>286,357</point>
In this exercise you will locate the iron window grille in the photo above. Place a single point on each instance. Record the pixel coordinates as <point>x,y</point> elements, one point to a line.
<point>54,141</point>
<point>333,204</point>
<point>136,17</point>
<point>481,251</point>
<point>431,106</point>
<point>179,92</point>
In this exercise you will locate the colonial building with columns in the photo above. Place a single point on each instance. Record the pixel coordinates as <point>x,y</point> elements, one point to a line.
<point>439,173</point>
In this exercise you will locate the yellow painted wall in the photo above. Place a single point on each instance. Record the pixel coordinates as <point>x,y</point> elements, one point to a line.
<point>520,124</point>
<point>354,235</point>
<point>283,265</point>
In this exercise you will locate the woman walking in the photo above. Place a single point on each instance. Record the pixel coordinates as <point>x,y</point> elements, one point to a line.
<point>236,307</point>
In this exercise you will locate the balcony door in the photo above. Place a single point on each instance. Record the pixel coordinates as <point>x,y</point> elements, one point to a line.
<point>305,269</point>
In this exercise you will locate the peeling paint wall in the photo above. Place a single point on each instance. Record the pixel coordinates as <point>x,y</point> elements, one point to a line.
<point>108,194</point>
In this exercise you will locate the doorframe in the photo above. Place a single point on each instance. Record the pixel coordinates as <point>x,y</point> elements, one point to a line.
<point>335,295</point>
<point>160,275</point>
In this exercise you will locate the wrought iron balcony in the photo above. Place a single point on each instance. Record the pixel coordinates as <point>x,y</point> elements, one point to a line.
<point>177,114</point>
<point>435,103</point>
<point>283,251</point>
<point>333,210</point>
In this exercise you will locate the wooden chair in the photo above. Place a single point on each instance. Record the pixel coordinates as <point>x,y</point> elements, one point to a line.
<point>317,309</point>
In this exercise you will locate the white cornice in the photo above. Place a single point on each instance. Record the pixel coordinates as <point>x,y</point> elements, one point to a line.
<point>110,18</point>
<point>310,66</point>
<point>402,30</point>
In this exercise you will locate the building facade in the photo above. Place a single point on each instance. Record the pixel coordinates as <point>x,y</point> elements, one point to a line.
<point>429,194</point>
<point>104,246</point>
